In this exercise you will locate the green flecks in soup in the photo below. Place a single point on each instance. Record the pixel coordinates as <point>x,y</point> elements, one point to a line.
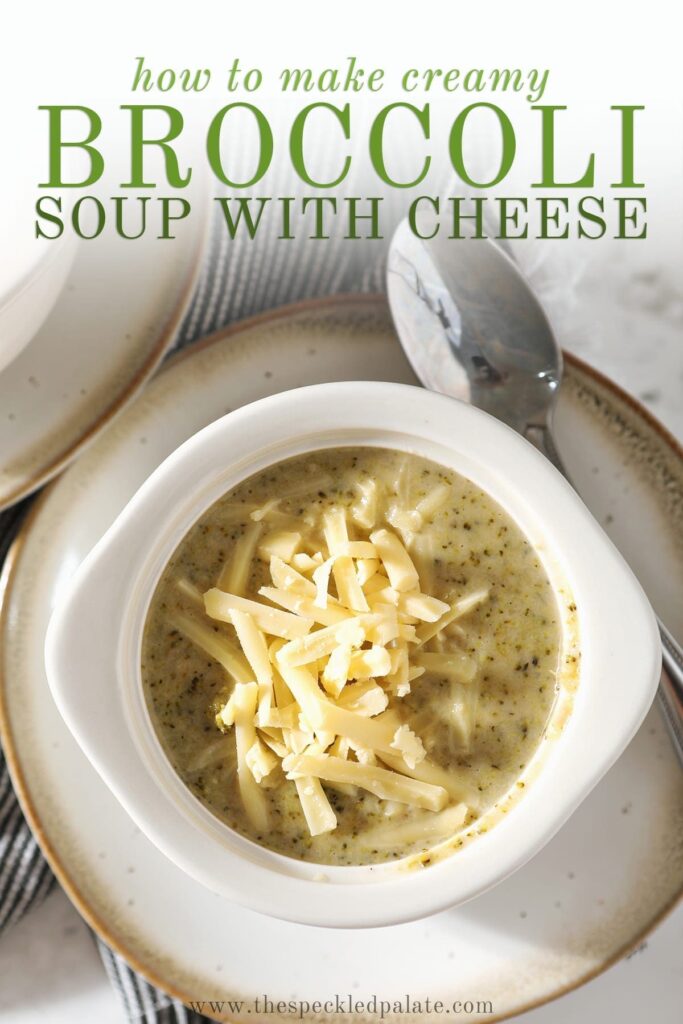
<point>450,660</point>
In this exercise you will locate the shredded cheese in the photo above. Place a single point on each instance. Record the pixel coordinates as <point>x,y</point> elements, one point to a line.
<point>396,560</point>
<point>385,784</point>
<point>219,605</point>
<point>365,509</point>
<point>281,544</point>
<point>321,578</point>
<point>236,573</point>
<point>255,649</point>
<point>253,798</point>
<point>316,807</point>
<point>456,611</point>
<point>260,760</point>
<point>433,501</point>
<point>305,606</point>
<point>216,646</point>
<point>318,662</point>
<point>409,746</point>
<point>455,665</point>
<point>305,562</point>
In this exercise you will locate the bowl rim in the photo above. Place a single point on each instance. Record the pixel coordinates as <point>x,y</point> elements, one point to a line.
<point>29,300</point>
<point>109,591</point>
<point>47,252</point>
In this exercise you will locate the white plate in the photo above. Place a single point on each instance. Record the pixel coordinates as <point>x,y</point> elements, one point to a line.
<point>114,319</point>
<point>605,880</point>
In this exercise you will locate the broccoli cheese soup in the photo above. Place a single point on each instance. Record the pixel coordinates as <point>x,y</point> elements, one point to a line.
<point>352,655</point>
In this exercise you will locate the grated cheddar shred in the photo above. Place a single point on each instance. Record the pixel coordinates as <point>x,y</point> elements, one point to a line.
<point>319,665</point>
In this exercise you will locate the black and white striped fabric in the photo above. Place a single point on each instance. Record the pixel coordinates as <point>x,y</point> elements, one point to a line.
<point>237,280</point>
<point>25,877</point>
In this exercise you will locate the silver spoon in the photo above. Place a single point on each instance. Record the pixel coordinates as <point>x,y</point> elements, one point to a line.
<point>473,329</point>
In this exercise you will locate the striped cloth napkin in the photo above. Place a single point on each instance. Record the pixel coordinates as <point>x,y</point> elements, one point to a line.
<point>237,280</point>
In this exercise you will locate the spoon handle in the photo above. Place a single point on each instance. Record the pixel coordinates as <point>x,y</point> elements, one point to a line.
<point>541,437</point>
<point>671,689</point>
<point>671,684</point>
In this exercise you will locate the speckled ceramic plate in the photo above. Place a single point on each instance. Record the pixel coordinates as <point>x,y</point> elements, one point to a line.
<point>114,319</point>
<point>607,878</point>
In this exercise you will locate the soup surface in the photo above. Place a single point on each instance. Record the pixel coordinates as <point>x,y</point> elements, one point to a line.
<point>401,688</point>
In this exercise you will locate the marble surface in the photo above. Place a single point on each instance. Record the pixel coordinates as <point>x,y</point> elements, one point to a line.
<point>622,311</point>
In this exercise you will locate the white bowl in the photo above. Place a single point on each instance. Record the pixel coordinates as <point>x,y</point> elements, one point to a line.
<point>94,643</point>
<point>32,270</point>
<point>32,276</point>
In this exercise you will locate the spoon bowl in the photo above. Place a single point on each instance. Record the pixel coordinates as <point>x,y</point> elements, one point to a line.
<point>473,329</point>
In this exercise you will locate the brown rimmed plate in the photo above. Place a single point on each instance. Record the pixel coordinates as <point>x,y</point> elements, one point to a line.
<point>115,318</point>
<point>594,892</point>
